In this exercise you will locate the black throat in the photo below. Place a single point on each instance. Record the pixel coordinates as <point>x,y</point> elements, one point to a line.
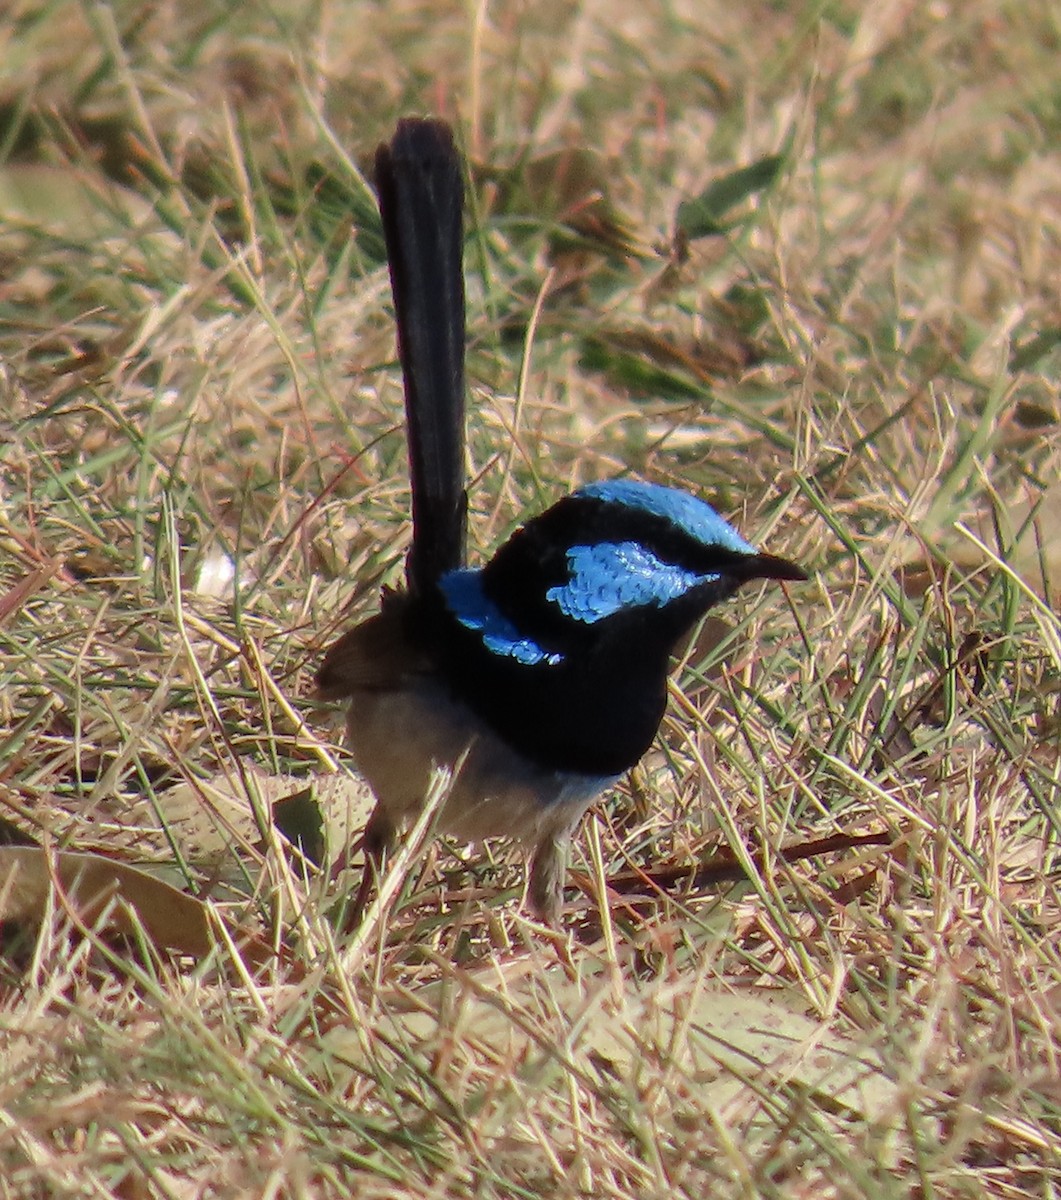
<point>594,712</point>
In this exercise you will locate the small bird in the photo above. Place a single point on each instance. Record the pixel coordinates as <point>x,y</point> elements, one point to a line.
<point>540,678</point>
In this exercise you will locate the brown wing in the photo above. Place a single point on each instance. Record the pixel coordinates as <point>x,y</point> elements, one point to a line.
<point>376,655</point>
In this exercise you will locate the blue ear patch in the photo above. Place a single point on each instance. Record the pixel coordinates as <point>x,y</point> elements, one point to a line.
<point>697,518</point>
<point>466,600</point>
<point>610,576</point>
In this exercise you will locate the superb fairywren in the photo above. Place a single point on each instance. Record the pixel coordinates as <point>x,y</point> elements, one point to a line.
<point>540,678</point>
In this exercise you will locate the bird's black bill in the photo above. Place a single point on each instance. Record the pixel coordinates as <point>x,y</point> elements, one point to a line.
<point>421,196</point>
<point>768,566</point>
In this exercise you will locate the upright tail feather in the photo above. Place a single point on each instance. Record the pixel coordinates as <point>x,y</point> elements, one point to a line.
<point>421,194</point>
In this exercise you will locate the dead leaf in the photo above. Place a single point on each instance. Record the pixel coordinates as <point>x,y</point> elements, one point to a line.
<point>91,886</point>
<point>733,1044</point>
<point>212,819</point>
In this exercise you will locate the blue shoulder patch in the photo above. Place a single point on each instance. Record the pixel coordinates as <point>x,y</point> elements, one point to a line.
<point>609,576</point>
<point>697,518</point>
<point>466,600</point>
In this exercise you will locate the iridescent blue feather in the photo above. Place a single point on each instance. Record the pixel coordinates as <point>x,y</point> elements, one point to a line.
<point>466,600</point>
<point>611,576</point>
<point>697,518</point>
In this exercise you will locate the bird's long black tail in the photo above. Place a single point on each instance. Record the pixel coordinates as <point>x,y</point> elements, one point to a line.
<point>421,194</point>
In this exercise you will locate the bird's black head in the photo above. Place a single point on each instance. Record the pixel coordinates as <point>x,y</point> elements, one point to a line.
<point>617,549</point>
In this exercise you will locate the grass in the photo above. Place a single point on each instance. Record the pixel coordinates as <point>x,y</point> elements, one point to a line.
<point>202,478</point>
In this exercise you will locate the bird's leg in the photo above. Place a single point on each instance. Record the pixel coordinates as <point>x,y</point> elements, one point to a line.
<point>545,885</point>
<point>377,841</point>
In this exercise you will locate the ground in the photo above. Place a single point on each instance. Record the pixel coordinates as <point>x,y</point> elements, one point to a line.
<point>803,261</point>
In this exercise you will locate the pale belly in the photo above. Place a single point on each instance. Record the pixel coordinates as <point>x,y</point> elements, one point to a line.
<point>398,739</point>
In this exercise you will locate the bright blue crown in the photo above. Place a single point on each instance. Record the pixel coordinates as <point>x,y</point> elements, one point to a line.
<point>697,518</point>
